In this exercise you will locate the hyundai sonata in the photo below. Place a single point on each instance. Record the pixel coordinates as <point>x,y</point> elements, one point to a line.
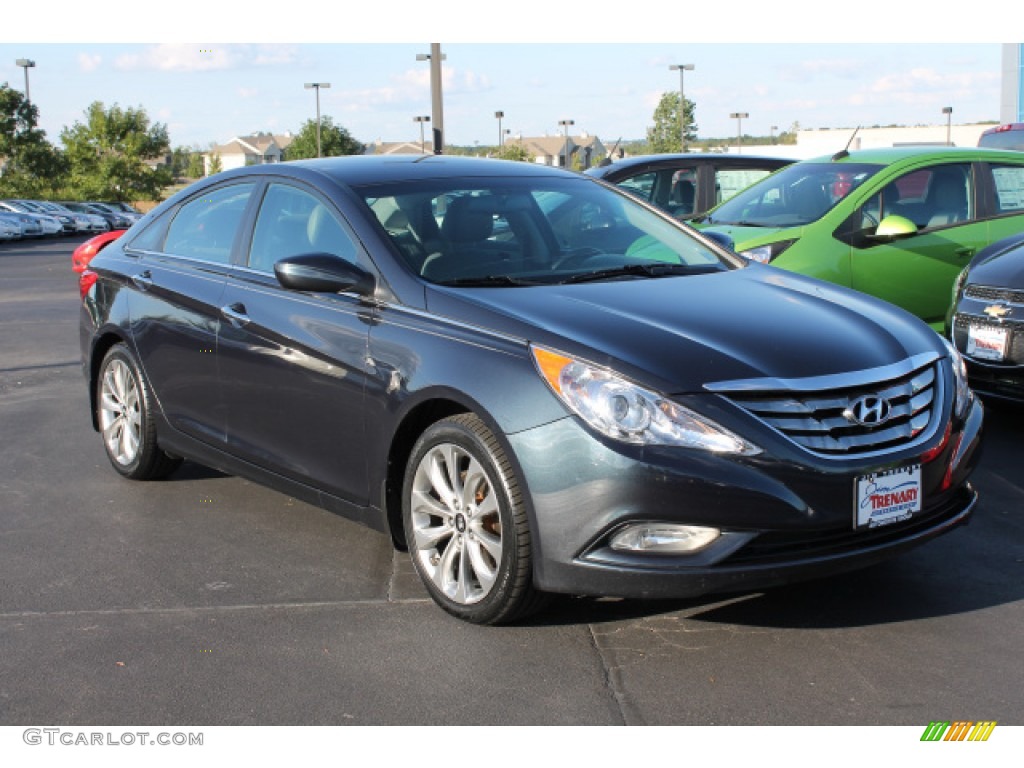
<point>529,379</point>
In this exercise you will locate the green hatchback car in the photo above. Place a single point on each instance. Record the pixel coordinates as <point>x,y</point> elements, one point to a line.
<point>898,223</point>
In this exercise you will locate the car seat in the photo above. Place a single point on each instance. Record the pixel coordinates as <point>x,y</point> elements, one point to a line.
<point>947,199</point>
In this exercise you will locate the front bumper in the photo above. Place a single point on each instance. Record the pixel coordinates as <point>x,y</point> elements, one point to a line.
<point>782,520</point>
<point>997,379</point>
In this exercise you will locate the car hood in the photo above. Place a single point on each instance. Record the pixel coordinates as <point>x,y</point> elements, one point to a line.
<point>680,333</point>
<point>1004,270</point>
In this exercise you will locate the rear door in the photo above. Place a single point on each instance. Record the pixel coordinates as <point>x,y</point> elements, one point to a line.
<point>175,305</point>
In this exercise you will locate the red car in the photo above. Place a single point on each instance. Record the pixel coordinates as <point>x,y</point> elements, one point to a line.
<point>83,254</point>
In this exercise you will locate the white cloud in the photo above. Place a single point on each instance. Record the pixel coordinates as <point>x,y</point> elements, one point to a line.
<point>247,93</point>
<point>813,69</point>
<point>88,63</point>
<point>204,57</point>
<point>411,87</point>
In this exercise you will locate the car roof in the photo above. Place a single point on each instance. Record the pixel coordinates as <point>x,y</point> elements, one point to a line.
<point>355,170</point>
<point>892,155</point>
<point>670,157</point>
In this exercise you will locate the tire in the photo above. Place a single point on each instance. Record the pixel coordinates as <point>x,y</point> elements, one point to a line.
<point>467,529</point>
<point>124,412</point>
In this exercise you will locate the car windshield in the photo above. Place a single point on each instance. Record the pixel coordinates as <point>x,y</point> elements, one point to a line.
<point>1008,138</point>
<point>522,231</point>
<point>799,194</point>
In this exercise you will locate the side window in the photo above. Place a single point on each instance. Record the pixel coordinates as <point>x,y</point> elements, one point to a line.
<point>933,197</point>
<point>293,222</point>
<point>730,181</point>
<point>152,237</point>
<point>1009,181</point>
<point>205,227</point>
<point>682,192</point>
<point>948,199</point>
<point>641,185</point>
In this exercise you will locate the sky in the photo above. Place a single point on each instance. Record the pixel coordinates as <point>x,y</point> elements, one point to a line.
<point>535,65</point>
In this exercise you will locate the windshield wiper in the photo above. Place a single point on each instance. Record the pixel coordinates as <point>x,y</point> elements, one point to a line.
<point>656,269</point>
<point>488,281</point>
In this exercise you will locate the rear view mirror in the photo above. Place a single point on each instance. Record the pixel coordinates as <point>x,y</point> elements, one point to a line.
<point>323,273</point>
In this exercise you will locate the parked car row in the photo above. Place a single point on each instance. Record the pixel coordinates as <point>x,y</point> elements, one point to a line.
<point>38,218</point>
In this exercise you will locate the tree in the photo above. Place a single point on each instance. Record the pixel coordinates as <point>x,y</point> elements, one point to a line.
<point>195,169</point>
<point>108,155</point>
<point>334,141</point>
<point>664,136</point>
<point>32,166</point>
<point>512,151</point>
<point>216,166</point>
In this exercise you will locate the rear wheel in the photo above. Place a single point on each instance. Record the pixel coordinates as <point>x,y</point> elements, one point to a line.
<point>124,410</point>
<point>466,525</point>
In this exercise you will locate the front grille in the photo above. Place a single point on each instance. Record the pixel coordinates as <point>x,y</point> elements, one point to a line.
<point>984,293</point>
<point>815,420</point>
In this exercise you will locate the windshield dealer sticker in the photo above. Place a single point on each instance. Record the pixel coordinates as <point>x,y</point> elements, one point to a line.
<point>888,497</point>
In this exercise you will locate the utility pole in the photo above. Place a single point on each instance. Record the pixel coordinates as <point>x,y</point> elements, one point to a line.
<point>435,57</point>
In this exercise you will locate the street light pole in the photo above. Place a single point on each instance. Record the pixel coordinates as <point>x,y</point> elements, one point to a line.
<point>499,114</point>
<point>435,57</point>
<point>26,64</point>
<point>421,119</point>
<point>738,116</point>
<point>682,101</point>
<point>565,124</point>
<point>317,87</point>
<point>948,112</point>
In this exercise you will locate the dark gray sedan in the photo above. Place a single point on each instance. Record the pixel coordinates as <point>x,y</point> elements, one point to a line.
<point>529,379</point>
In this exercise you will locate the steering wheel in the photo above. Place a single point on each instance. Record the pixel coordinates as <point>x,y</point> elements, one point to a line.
<point>577,257</point>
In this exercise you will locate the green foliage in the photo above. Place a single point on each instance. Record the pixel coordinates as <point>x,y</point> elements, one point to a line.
<point>664,135</point>
<point>108,155</point>
<point>33,167</point>
<point>514,151</point>
<point>216,166</point>
<point>334,140</point>
<point>195,169</point>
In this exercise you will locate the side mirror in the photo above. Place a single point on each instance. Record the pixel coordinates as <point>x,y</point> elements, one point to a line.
<point>721,238</point>
<point>894,228</point>
<point>323,273</point>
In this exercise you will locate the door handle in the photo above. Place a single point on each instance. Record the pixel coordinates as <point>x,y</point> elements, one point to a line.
<point>143,281</point>
<point>235,314</point>
<point>965,251</point>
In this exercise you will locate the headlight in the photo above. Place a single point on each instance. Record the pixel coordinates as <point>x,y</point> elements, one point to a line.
<point>963,393</point>
<point>766,253</point>
<point>958,287</point>
<point>623,411</point>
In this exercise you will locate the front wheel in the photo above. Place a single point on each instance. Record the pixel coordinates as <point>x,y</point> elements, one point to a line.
<point>124,409</point>
<point>466,525</point>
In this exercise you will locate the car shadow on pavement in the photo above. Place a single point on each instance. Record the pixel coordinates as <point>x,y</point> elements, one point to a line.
<point>190,470</point>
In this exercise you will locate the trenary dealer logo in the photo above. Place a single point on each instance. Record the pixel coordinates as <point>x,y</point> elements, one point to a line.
<point>960,730</point>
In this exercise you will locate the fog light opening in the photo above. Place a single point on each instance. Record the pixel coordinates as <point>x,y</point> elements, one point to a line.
<point>665,538</point>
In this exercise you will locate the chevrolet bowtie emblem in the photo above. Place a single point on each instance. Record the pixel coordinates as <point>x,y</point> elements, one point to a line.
<point>997,311</point>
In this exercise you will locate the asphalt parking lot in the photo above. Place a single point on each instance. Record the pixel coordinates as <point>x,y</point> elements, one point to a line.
<point>209,599</point>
